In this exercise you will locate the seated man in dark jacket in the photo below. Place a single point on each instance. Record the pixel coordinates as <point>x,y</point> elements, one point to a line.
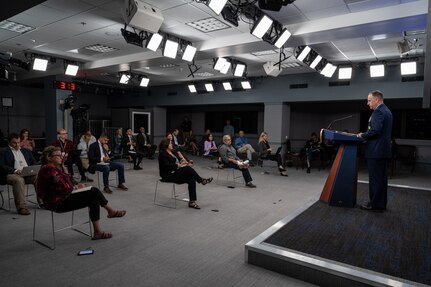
<point>129,146</point>
<point>12,160</point>
<point>144,143</point>
<point>100,161</point>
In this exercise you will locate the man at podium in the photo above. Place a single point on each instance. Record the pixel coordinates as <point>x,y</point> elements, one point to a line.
<point>378,136</point>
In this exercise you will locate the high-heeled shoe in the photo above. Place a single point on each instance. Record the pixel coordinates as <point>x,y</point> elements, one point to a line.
<point>206,180</point>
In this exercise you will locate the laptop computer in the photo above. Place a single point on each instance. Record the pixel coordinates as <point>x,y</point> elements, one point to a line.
<point>30,170</point>
<point>278,150</point>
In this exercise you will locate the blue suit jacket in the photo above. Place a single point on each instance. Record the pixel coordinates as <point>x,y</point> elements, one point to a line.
<point>93,156</point>
<point>7,161</point>
<point>379,133</point>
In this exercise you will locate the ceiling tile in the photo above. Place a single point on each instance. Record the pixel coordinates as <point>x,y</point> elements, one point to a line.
<point>328,12</point>
<point>187,13</point>
<point>371,4</point>
<point>67,7</point>
<point>313,5</point>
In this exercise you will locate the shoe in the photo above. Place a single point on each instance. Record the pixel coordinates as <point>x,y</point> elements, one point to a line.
<point>86,179</point>
<point>281,169</point>
<point>283,174</point>
<point>250,184</point>
<point>308,170</point>
<point>122,186</point>
<point>107,190</point>
<point>206,180</point>
<point>194,205</point>
<point>24,211</point>
<point>368,207</point>
<point>137,167</point>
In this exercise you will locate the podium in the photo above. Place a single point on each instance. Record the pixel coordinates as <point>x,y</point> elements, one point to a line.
<point>341,185</point>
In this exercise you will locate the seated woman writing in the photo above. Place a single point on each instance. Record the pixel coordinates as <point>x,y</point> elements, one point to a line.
<point>172,170</point>
<point>265,153</point>
<point>56,190</point>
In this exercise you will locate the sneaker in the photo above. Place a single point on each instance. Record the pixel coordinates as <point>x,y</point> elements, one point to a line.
<point>250,184</point>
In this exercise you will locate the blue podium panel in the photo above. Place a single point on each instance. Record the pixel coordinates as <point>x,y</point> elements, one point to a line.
<point>341,184</point>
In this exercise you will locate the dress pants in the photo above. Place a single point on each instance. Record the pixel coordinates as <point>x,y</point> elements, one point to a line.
<point>245,172</point>
<point>93,199</point>
<point>247,148</point>
<point>187,175</point>
<point>18,187</point>
<point>107,168</point>
<point>378,182</point>
<point>77,160</point>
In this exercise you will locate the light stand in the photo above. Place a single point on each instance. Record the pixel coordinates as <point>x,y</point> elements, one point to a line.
<point>7,103</point>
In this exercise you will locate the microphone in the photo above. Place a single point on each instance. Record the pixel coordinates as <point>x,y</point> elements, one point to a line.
<point>337,120</point>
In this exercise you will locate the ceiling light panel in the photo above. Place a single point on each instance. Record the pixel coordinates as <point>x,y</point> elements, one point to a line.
<point>246,85</point>
<point>408,68</point>
<point>220,64</point>
<point>304,53</point>
<point>262,26</point>
<point>225,68</point>
<point>100,48</point>
<point>377,70</point>
<point>239,70</point>
<point>227,86</point>
<point>189,53</point>
<point>192,88</point>
<point>217,5</point>
<point>285,35</point>
<point>208,25</point>
<point>345,73</point>
<point>209,87</point>
<point>71,70</point>
<point>316,61</point>
<point>144,82</point>
<point>170,49</point>
<point>15,27</point>
<point>154,42</point>
<point>40,64</point>
<point>124,79</point>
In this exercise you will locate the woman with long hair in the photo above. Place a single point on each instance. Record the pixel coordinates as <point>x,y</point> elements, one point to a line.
<point>26,140</point>
<point>172,170</point>
<point>265,153</point>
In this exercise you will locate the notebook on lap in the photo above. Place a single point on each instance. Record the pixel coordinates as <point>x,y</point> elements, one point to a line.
<point>82,189</point>
<point>30,170</point>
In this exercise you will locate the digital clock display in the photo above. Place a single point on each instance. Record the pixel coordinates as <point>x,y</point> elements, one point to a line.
<point>62,85</point>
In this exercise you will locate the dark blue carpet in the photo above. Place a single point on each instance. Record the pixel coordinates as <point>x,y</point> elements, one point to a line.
<point>396,242</point>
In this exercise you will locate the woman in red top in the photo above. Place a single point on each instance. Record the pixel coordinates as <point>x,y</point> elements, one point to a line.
<point>55,188</point>
<point>26,140</point>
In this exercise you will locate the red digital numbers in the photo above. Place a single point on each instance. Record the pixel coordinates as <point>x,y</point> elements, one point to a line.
<point>62,85</point>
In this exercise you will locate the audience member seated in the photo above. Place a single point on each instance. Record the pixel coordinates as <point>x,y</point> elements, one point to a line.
<point>84,143</point>
<point>173,170</point>
<point>130,148</point>
<point>100,161</point>
<point>56,190</point>
<point>178,144</point>
<point>118,138</point>
<point>26,140</point>
<point>144,144</point>
<point>190,143</point>
<point>210,147</point>
<point>203,139</point>
<point>230,160</point>
<point>313,147</point>
<point>242,146</point>
<point>13,159</point>
<point>265,153</point>
<point>70,155</point>
<point>182,157</point>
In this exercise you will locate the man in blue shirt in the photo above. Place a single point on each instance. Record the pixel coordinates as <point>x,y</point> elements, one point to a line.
<point>242,146</point>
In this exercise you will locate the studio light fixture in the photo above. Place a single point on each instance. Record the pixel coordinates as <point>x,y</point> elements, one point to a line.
<point>331,71</point>
<point>230,15</point>
<point>124,79</point>
<point>71,70</point>
<point>192,88</point>
<point>239,70</point>
<point>246,85</point>
<point>133,37</point>
<point>316,61</point>
<point>377,70</point>
<point>227,86</point>
<point>40,64</point>
<point>144,82</point>
<point>209,87</point>
<point>170,49</point>
<point>261,26</point>
<point>281,40</point>
<point>216,5</point>
<point>154,42</point>
<point>326,69</point>
<point>225,68</point>
<point>408,68</point>
<point>219,63</point>
<point>189,53</point>
<point>303,52</point>
<point>345,73</point>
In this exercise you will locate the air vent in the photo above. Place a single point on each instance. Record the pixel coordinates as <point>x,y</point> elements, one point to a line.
<point>337,84</point>
<point>412,79</point>
<point>298,86</point>
<point>208,25</point>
